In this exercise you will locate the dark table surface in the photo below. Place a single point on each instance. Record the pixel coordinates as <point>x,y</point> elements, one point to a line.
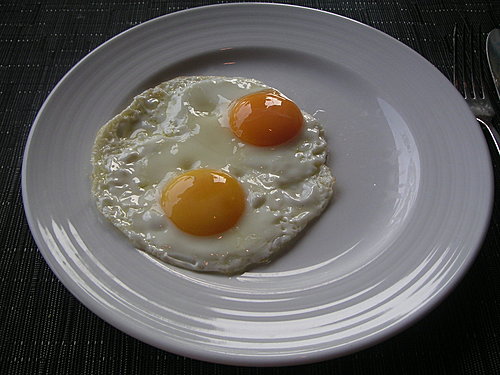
<point>45,330</point>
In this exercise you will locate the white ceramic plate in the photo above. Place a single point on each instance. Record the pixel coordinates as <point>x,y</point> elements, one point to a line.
<point>413,200</point>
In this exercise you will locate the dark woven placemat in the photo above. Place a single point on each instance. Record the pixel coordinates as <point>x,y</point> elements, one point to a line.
<point>45,330</point>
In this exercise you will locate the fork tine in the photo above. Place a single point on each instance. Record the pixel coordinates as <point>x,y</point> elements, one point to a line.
<point>481,52</point>
<point>457,80</point>
<point>460,77</point>
<point>471,65</point>
<point>468,62</point>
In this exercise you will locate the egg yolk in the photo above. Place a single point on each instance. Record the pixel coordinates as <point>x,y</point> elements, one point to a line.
<point>265,118</point>
<point>203,202</point>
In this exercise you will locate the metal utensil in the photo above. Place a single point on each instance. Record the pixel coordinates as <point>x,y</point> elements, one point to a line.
<point>493,56</point>
<point>468,57</point>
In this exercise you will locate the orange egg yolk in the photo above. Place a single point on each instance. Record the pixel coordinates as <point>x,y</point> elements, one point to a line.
<point>265,118</point>
<point>203,202</point>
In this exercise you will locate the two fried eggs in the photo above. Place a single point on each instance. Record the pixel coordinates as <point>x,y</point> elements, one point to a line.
<point>211,173</point>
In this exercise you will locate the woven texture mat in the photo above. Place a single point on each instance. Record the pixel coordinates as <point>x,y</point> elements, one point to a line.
<point>45,330</point>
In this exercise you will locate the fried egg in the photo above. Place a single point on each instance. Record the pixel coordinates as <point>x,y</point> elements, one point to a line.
<point>211,173</point>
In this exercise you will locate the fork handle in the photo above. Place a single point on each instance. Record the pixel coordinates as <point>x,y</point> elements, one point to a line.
<point>492,132</point>
<point>493,139</point>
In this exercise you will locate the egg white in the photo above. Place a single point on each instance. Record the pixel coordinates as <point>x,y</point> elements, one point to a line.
<point>182,124</point>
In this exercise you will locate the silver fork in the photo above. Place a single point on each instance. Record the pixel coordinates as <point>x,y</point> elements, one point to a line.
<point>468,78</point>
